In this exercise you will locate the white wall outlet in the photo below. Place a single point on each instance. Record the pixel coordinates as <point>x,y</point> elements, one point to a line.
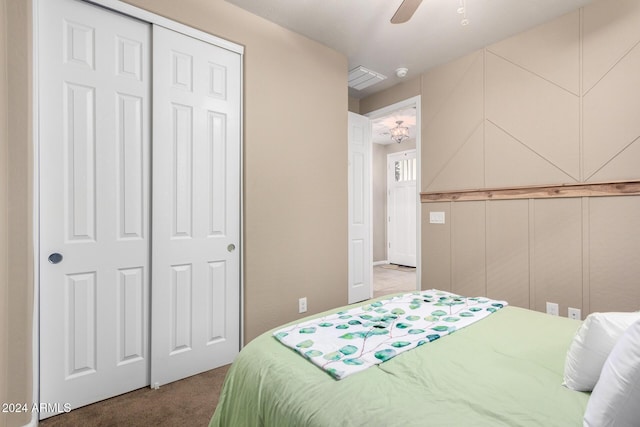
<point>302,305</point>
<point>552,309</point>
<point>574,313</point>
<point>436,217</point>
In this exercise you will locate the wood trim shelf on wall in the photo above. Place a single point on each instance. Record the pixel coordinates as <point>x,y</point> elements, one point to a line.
<point>618,188</point>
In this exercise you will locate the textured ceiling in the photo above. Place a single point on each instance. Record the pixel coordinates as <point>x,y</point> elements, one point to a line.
<point>361,29</point>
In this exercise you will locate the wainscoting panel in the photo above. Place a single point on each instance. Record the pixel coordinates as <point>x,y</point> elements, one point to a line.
<point>614,237</point>
<point>468,248</point>
<point>508,251</point>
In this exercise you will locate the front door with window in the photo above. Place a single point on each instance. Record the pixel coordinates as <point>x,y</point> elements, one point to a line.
<point>401,208</point>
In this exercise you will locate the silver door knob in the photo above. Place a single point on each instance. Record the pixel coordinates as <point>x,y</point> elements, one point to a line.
<point>231,247</point>
<point>55,258</point>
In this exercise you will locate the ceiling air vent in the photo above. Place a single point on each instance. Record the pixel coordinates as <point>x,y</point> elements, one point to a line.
<point>360,78</point>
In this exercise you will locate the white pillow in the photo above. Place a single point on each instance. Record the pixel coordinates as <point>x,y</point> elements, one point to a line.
<point>615,401</point>
<point>591,346</point>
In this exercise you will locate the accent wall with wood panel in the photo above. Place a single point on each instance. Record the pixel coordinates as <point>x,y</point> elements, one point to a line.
<point>558,104</point>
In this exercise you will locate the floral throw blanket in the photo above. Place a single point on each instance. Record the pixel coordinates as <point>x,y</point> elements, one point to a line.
<point>351,341</point>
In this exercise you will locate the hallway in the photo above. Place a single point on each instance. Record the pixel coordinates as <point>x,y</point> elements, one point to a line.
<point>390,279</point>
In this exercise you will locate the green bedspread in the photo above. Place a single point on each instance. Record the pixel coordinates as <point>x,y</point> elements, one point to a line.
<point>505,370</point>
<point>351,341</point>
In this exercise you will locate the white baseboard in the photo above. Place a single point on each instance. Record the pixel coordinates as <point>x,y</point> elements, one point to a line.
<point>33,422</point>
<point>385,262</point>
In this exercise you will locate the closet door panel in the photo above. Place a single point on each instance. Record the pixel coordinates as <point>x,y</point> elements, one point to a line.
<point>196,206</point>
<point>94,110</point>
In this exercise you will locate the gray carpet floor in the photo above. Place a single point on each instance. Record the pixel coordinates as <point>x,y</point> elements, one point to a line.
<point>188,402</point>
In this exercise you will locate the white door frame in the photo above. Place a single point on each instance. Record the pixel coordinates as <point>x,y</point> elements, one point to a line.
<point>151,18</point>
<point>385,111</point>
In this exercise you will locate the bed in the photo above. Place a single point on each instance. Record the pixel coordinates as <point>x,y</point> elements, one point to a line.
<point>505,370</point>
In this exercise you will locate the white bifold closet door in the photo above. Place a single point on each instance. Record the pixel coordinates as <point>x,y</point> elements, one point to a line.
<point>108,323</point>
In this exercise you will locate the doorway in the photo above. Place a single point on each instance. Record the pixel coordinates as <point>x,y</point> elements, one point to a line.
<point>393,274</point>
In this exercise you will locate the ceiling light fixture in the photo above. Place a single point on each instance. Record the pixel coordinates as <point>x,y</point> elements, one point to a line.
<point>399,133</point>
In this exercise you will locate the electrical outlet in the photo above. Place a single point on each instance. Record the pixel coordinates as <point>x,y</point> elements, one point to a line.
<point>436,217</point>
<point>574,313</point>
<point>302,305</point>
<point>552,309</point>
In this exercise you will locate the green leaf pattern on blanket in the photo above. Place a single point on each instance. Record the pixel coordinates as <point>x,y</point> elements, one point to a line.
<point>385,355</point>
<point>348,349</point>
<point>305,344</point>
<point>313,353</point>
<point>333,356</point>
<point>380,330</point>
<point>433,337</point>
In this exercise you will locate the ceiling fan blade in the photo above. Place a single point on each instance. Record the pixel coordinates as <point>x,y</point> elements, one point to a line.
<point>405,11</point>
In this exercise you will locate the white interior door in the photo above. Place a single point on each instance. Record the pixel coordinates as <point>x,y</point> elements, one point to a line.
<point>360,257</point>
<point>94,191</point>
<point>401,208</point>
<point>196,206</point>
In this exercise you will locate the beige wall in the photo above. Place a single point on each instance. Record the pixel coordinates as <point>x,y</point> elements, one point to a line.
<point>3,211</point>
<point>295,183</point>
<point>379,154</point>
<point>354,105</point>
<point>400,92</point>
<point>19,268</point>
<point>556,104</point>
